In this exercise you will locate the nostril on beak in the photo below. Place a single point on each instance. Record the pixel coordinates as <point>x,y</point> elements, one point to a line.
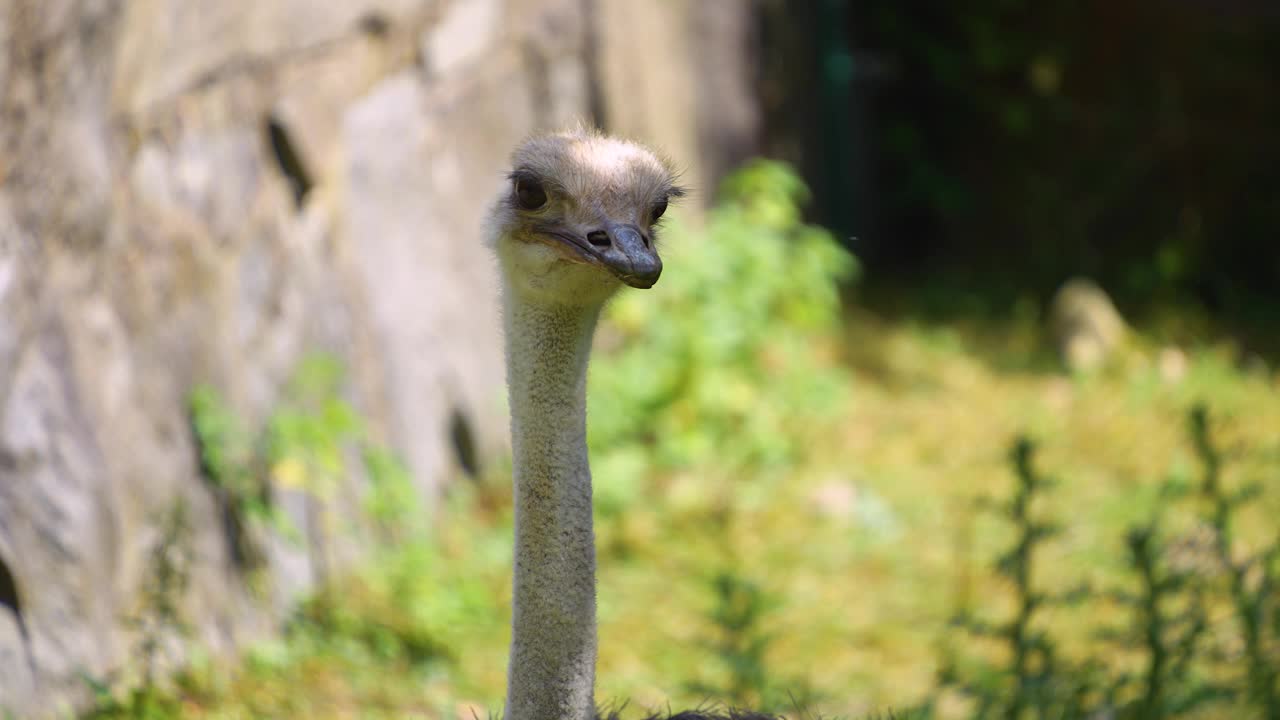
<point>599,238</point>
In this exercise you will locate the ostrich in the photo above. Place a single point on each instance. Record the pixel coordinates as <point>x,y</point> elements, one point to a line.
<point>574,224</point>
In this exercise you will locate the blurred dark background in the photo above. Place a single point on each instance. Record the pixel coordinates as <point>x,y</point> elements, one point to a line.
<point>997,148</point>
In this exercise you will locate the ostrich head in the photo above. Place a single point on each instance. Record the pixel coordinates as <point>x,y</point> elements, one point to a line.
<point>577,219</point>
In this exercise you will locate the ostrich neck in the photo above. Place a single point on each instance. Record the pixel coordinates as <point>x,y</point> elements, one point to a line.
<point>551,675</point>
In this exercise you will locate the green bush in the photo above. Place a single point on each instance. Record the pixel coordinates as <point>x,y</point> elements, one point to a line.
<point>731,356</point>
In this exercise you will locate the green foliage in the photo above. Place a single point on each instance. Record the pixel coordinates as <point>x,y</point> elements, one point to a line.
<point>158,622</point>
<point>392,503</point>
<point>797,600</point>
<point>725,368</point>
<point>143,703</point>
<point>160,609</point>
<point>723,362</point>
<point>308,438</point>
<point>1031,682</point>
<point>1253,582</point>
<point>229,461</point>
<point>1173,602</point>
<point>226,448</point>
<point>740,643</point>
<point>411,605</point>
<point>305,446</point>
<point>310,432</point>
<point>391,612</point>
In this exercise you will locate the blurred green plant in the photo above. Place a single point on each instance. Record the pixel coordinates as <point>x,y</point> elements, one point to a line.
<point>308,438</point>
<point>1253,581</point>
<point>420,629</point>
<point>740,643</point>
<point>724,368</point>
<point>230,462</point>
<point>392,503</point>
<point>392,611</point>
<point>306,446</point>
<point>159,621</point>
<point>732,355</point>
<point>1032,683</point>
<point>1169,620</point>
<point>413,611</point>
<point>309,431</point>
<point>1192,661</point>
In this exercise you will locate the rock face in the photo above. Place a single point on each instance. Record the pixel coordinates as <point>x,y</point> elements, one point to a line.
<point>208,192</point>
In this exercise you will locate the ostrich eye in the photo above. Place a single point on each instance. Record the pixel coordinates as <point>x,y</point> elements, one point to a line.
<point>530,194</point>
<point>659,208</point>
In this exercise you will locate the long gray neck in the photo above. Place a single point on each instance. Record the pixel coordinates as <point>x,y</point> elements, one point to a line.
<point>552,668</point>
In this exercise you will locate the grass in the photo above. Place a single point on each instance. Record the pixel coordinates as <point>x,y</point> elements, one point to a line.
<point>864,548</point>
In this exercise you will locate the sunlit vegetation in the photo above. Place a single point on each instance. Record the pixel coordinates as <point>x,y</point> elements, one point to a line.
<point>814,511</point>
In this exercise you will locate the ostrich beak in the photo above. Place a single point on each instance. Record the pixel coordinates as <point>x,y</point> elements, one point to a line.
<point>629,255</point>
<point>622,249</point>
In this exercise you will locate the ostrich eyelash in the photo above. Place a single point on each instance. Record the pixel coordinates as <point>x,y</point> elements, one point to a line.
<point>675,192</point>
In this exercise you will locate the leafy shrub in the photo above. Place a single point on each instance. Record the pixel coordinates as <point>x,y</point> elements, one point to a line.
<point>305,446</point>
<point>310,430</point>
<point>730,357</point>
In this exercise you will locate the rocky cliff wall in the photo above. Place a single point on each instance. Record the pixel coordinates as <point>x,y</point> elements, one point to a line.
<point>209,192</point>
